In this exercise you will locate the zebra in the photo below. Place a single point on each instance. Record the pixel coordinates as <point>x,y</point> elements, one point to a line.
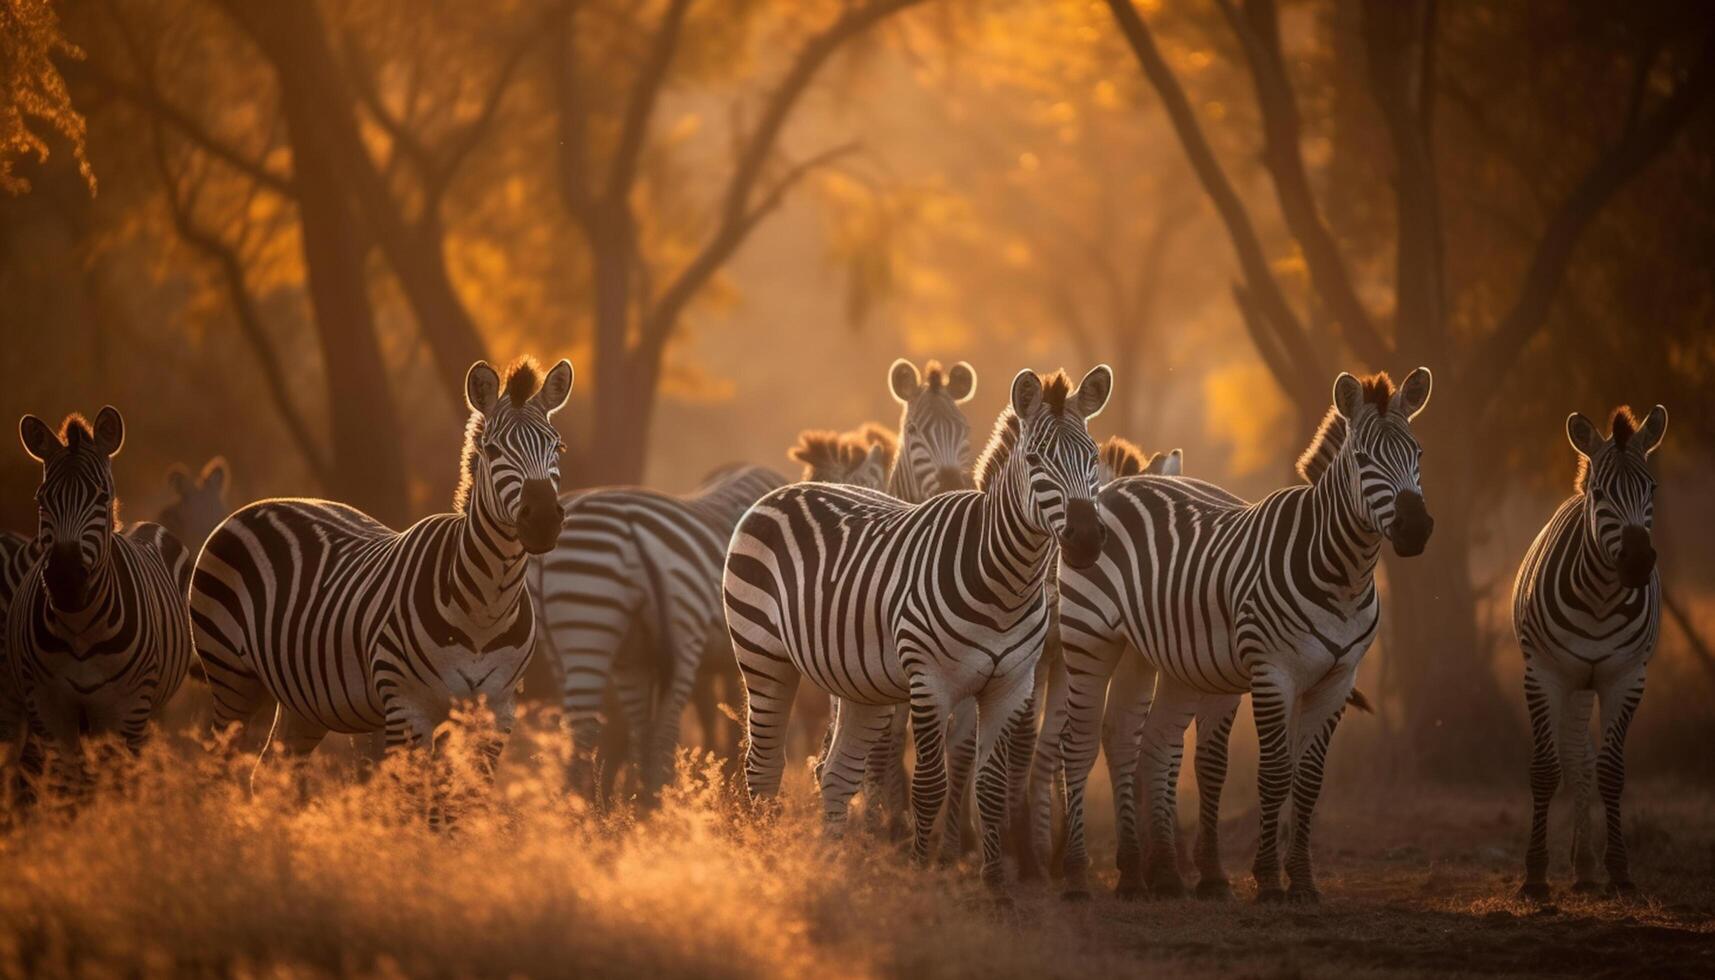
<point>1587,610</point>
<point>1128,697</point>
<point>632,562</point>
<point>934,434</point>
<point>97,632</point>
<point>883,602</point>
<point>200,502</point>
<point>350,626</point>
<point>1221,597</point>
<point>862,459</point>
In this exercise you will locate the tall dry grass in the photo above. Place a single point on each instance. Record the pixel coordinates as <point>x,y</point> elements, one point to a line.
<point>172,867</point>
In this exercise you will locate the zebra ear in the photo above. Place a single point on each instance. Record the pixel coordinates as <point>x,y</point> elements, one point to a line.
<point>1348,396</point>
<point>904,380</point>
<point>1583,435</point>
<point>179,480</point>
<point>214,473</point>
<point>109,431</point>
<point>961,382</point>
<point>1026,393</point>
<point>39,440</point>
<point>1167,464</point>
<point>1413,393</point>
<point>877,455</point>
<point>481,387</point>
<point>556,388</point>
<point>1655,426</point>
<point>1093,391</point>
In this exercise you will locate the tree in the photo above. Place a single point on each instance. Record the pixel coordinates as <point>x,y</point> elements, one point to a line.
<point>1451,698</point>
<point>31,88</point>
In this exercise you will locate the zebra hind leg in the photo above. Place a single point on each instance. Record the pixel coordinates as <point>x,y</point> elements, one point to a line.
<point>1161,752</point>
<point>860,726</point>
<point>290,743</point>
<point>1272,702</point>
<point>1542,698</point>
<point>961,759</point>
<point>1214,730</point>
<point>929,780</point>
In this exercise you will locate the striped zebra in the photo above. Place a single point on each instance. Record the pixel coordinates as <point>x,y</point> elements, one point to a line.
<point>1128,698</point>
<point>350,626</point>
<point>1587,609</point>
<point>1221,597</point>
<point>640,564</point>
<point>97,632</point>
<point>883,602</point>
<point>199,503</point>
<point>860,459</point>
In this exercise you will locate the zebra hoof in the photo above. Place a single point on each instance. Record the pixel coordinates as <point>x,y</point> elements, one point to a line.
<point>1621,889</point>
<point>1274,895</point>
<point>1214,890</point>
<point>1078,896</point>
<point>1534,891</point>
<point>1586,887</point>
<point>1303,895</point>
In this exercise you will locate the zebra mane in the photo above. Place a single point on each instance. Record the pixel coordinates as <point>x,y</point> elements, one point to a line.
<point>1621,428</point>
<point>1000,445</point>
<point>833,454</point>
<point>1122,457</point>
<point>76,431</point>
<point>876,434</point>
<point>523,377</point>
<point>1331,434</point>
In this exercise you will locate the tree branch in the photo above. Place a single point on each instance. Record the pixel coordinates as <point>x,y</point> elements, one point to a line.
<point>645,93</point>
<point>1636,148</point>
<point>1258,31</point>
<point>1266,299</point>
<point>573,120</point>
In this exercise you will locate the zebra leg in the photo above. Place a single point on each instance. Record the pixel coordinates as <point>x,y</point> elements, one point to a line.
<point>634,689</point>
<point>1318,715</point>
<point>1159,758</point>
<point>859,727</point>
<point>1000,707</point>
<point>1130,694</point>
<point>1620,700</point>
<point>1020,746</point>
<point>1046,770</point>
<point>770,683</point>
<point>587,642</point>
<point>60,724</point>
<point>1273,699</point>
<point>820,763</point>
<point>1090,661</point>
<point>1214,729</point>
<point>1544,699</point>
<point>929,782</point>
<point>1578,768</point>
<point>885,798</point>
<point>961,758</point>
<point>290,743</point>
<point>671,694</point>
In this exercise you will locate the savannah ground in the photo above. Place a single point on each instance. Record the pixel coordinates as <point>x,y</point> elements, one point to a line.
<point>171,869</point>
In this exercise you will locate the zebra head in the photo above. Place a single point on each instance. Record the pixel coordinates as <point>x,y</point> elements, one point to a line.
<point>75,500</point>
<point>934,435</point>
<point>1060,458</point>
<point>512,458</point>
<point>1121,458</point>
<point>201,502</point>
<point>1619,493</point>
<point>1385,455</point>
<point>856,459</point>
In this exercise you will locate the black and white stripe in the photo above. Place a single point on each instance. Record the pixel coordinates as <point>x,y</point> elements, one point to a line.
<point>632,562</point>
<point>1587,611</point>
<point>350,626</point>
<point>97,633</point>
<point>885,603</point>
<point>1275,598</point>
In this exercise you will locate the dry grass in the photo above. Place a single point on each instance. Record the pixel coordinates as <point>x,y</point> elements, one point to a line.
<point>173,869</point>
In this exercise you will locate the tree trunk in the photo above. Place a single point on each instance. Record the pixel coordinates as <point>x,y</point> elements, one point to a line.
<point>368,466</point>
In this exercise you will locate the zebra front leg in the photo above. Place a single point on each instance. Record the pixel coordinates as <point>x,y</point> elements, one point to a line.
<point>1544,699</point>
<point>999,710</point>
<point>929,781</point>
<point>859,727</point>
<point>1160,754</point>
<point>1620,700</point>
<point>1578,768</point>
<point>290,742</point>
<point>1090,662</point>
<point>1273,699</point>
<point>1318,715</point>
<point>961,760</point>
<point>1214,730</point>
<point>1021,746</point>
<point>1130,695</point>
<point>1047,772</point>
<point>65,776</point>
<point>663,745</point>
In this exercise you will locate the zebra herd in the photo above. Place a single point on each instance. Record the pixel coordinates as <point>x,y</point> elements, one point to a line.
<point>1004,620</point>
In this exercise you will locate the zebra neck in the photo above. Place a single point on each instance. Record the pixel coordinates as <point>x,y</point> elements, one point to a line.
<point>489,557</point>
<point>900,482</point>
<point>1343,545</point>
<point>1014,551</point>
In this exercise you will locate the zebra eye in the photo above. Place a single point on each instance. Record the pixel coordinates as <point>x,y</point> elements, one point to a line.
<point>491,451</point>
<point>1032,457</point>
<point>1362,457</point>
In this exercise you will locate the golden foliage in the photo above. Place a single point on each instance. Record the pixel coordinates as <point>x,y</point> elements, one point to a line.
<point>31,88</point>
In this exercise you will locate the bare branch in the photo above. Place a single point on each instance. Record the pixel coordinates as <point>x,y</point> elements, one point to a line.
<point>645,92</point>
<point>1629,155</point>
<point>1306,375</point>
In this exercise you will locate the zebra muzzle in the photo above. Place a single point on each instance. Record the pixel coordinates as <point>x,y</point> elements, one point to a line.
<point>1637,557</point>
<point>1411,526</point>
<point>1081,542</point>
<point>66,579</point>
